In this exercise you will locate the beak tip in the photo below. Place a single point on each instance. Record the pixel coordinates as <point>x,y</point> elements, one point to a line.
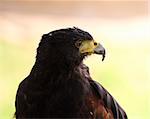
<point>103,57</point>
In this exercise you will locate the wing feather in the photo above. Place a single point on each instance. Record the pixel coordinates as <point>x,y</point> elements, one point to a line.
<point>108,100</point>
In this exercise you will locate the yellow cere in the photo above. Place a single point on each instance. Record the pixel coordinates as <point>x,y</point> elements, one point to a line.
<point>87,46</point>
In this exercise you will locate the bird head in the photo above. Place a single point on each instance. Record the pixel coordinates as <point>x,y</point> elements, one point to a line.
<point>70,45</point>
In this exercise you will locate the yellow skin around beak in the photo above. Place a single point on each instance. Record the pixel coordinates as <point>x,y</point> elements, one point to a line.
<point>91,47</point>
<point>88,46</point>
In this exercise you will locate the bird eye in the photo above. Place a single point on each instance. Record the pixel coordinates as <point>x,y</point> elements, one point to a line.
<point>78,43</point>
<point>95,43</point>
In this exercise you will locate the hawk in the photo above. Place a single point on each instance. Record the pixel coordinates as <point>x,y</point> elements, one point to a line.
<point>59,84</point>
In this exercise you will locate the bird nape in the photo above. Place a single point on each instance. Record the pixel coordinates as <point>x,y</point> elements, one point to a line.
<point>59,84</point>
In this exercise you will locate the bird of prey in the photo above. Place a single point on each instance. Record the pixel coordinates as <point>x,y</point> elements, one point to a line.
<point>59,84</point>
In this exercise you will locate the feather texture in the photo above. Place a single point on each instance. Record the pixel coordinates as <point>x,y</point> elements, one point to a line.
<point>59,84</point>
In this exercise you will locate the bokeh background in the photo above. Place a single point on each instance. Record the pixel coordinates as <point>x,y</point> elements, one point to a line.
<point>122,26</point>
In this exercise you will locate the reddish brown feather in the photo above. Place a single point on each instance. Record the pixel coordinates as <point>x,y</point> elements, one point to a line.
<point>99,110</point>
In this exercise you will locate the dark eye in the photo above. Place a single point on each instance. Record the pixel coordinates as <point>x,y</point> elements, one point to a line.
<point>78,43</point>
<point>95,43</point>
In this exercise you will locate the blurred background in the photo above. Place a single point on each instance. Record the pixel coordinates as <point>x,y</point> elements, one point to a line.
<point>122,26</point>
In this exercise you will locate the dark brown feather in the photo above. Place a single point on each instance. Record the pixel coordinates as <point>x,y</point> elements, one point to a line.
<point>60,86</point>
<point>104,105</point>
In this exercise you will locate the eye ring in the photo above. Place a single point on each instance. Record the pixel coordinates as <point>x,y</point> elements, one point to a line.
<point>78,43</point>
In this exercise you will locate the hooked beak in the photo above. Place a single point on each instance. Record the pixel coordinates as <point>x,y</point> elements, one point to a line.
<point>100,50</point>
<point>91,47</point>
